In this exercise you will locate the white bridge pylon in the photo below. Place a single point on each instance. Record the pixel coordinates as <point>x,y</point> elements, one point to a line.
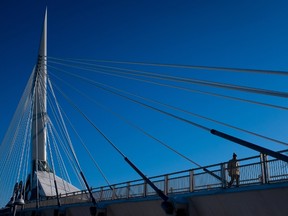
<point>42,173</point>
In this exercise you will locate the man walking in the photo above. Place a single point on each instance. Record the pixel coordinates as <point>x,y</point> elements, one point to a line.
<point>233,170</point>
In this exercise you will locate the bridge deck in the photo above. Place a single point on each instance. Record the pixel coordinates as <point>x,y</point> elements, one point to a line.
<point>266,181</point>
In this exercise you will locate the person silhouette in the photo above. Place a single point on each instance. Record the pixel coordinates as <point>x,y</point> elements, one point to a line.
<point>233,170</point>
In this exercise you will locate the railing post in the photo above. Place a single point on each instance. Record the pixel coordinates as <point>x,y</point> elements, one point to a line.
<point>145,189</point>
<point>101,194</point>
<point>166,184</point>
<point>223,175</point>
<point>264,171</point>
<point>113,192</point>
<point>128,190</point>
<point>191,181</point>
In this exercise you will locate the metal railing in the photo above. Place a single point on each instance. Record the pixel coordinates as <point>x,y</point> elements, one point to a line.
<point>253,171</point>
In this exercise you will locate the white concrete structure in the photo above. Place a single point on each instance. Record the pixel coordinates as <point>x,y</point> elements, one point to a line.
<point>43,180</point>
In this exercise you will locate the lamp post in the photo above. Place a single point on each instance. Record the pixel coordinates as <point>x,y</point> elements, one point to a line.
<point>17,198</point>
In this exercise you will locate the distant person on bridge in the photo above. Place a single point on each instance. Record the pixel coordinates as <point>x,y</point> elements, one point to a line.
<point>233,170</point>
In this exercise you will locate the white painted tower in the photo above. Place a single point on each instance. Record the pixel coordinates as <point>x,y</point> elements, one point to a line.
<point>41,173</point>
<point>39,128</point>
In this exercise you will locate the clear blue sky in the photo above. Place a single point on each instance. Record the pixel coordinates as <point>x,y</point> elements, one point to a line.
<point>238,34</point>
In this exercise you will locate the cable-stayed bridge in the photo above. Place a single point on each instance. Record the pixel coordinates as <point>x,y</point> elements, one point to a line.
<point>41,171</point>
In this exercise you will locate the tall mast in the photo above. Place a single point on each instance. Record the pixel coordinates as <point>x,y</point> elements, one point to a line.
<point>39,129</point>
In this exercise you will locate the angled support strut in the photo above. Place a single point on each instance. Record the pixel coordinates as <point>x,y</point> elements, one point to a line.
<point>250,145</point>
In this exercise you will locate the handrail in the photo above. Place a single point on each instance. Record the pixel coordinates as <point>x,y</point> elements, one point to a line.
<point>184,181</point>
